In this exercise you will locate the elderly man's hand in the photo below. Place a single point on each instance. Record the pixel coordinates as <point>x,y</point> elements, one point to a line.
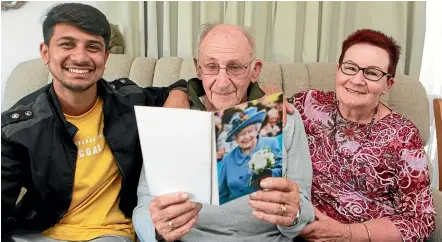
<point>269,89</point>
<point>277,203</point>
<point>326,229</point>
<point>173,215</point>
<point>177,99</point>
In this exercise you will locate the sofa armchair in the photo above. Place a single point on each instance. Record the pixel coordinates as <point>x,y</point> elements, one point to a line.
<point>407,95</point>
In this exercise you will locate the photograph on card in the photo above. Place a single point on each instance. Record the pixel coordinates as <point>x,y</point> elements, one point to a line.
<point>248,146</point>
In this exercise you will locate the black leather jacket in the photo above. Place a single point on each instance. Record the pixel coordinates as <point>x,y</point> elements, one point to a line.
<point>38,152</point>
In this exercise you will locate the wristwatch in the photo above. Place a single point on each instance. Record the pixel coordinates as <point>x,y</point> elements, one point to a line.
<point>298,214</point>
<point>183,89</point>
<point>179,85</point>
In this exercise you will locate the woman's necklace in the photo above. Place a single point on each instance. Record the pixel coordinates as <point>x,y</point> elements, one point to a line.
<point>336,129</point>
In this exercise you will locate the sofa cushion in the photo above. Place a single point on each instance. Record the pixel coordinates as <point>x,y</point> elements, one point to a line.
<point>26,77</point>
<point>142,71</point>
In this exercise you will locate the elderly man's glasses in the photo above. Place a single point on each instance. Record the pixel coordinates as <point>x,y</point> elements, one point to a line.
<point>231,69</point>
<point>371,73</point>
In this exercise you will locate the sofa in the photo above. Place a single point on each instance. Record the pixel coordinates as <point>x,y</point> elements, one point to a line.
<point>407,96</point>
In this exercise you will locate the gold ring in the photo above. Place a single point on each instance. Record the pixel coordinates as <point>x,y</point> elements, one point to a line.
<point>283,209</point>
<point>171,224</point>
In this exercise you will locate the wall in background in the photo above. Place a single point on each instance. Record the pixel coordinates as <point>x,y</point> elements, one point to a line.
<point>430,76</point>
<point>21,35</point>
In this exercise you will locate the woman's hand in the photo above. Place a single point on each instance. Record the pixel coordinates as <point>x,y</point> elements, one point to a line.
<point>326,229</point>
<point>173,215</point>
<point>277,203</point>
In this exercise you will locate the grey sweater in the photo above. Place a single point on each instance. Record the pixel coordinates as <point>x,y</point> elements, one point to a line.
<point>234,221</point>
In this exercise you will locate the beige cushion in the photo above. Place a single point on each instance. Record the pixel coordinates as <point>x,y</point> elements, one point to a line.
<point>436,236</point>
<point>25,78</point>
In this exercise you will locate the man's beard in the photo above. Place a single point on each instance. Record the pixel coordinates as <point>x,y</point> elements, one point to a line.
<point>76,88</point>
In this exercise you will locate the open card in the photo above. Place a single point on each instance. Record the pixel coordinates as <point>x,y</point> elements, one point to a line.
<point>216,157</point>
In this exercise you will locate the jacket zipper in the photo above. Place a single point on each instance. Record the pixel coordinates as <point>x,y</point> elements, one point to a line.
<point>116,161</point>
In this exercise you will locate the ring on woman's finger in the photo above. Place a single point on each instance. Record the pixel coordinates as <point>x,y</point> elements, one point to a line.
<point>283,209</point>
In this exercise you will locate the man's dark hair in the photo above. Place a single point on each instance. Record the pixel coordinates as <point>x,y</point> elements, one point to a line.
<point>83,16</point>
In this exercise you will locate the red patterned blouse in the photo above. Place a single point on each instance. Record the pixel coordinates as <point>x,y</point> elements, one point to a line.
<point>363,171</point>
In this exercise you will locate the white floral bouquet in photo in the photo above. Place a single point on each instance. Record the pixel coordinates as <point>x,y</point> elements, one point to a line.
<point>260,165</point>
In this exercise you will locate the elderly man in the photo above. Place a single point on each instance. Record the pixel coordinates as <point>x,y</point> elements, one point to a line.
<point>74,144</point>
<point>227,75</point>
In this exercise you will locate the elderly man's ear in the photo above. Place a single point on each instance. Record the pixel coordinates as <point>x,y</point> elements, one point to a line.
<point>197,69</point>
<point>256,70</point>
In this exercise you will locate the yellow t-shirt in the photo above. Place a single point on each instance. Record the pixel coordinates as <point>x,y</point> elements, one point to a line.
<point>94,208</point>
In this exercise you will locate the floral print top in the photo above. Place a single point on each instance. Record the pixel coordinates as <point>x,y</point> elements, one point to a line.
<point>363,171</point>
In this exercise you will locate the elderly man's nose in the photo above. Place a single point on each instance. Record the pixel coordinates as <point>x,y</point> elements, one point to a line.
<point>223,79</point>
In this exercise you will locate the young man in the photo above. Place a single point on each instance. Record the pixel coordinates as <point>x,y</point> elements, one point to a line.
<point>73,144</point>
<point>227,75</point>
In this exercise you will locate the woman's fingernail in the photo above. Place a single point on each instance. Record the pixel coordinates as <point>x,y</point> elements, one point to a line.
<point>185,195</point>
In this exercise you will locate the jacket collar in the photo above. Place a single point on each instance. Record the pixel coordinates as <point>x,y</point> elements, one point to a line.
<point>195,90</point>
<point>58,113</point>
<point>104,91</point>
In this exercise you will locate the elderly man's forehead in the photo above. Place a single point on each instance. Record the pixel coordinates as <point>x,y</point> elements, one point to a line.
<point>235,35</point>
<point>208,58</point>
<point>225,39</point>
